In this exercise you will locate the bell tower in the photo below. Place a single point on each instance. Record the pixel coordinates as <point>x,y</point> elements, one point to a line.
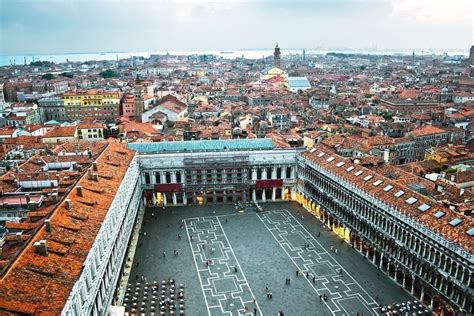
<point>277,57</point>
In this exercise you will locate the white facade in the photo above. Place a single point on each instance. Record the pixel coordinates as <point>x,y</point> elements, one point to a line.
<point>93,291</point>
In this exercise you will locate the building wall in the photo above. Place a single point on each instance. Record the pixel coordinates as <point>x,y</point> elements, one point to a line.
<point>424,264</point>
<point>220,177</point>
<point>93,291</point>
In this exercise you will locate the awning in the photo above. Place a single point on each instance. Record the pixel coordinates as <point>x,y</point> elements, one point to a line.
<point>170,187</point>
<point>263,184</point>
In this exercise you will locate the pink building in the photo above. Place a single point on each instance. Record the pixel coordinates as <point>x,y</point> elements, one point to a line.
<point>128,106</point>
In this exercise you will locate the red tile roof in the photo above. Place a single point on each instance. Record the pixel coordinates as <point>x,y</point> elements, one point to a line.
<point>456,235</point>
<point>40,285</point>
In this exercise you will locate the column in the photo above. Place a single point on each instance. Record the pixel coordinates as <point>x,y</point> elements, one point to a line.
<point>274,194</point>
<point>264,195</point>
<point>412,284</point>
<point>422,295</point>
<point>173,177</point>
<point>254,195</point>
<point>404,280</point>
<point>274,173</point>
<point>432,302</point>
<point>175,200</point>
<point>185,200</point>
<point>163,177</point>
<point>292,172</point>
<point>282,193</point>
<point>373,258</point>
<point>254,174</point>
<point>360,246</point>
<point>264,173</point>
<point>165,202</point>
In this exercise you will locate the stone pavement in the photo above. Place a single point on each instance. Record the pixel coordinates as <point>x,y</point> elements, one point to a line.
<point>266,248</point>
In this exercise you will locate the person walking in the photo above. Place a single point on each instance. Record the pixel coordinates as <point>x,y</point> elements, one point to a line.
<point>164,254</point>
<point>235,269</point>
<point>314,280</point>
<point>297,272</point>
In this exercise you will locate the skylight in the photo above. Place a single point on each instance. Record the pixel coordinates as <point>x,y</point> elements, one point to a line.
<point>350,169</point>
<point>388,188</point>
<point>470,232</point>
<point>399,193</point>
<point>368,178</point>
<point>411,200</point>
<point>377,183</point>
<point>439,214</point>
<point>312,150</point>
<point>330,159</point>
<point>320,154</point>
<point>455,222</point>
<point>340,164</point>
<point>358,173</point>
<point>424,207</point>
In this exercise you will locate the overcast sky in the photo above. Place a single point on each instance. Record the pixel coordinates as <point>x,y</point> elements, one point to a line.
<point>66,26</point>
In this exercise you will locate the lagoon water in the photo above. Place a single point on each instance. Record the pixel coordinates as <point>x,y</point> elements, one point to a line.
<point>247,53</point>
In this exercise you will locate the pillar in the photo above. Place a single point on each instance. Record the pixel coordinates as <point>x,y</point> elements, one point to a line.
<point>254,195</point>
<point>264,195</point>
<point>165,201</point>
<point>254,174</point>
<point>422,295</point>
<point>274,194</point>
<point>185,200</point>
<point>292,172</point>
<point>373,257</point>
<point>274,173</point>
<point>360,246</point>
<point>404,280</point>
<point>412,291</point>
<point>173,177</point>
<point>175,200</point>
<point>264,173</point>
<point>163,177</point>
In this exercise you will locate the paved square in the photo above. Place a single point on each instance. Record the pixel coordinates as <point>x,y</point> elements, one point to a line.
<point>251,252</point>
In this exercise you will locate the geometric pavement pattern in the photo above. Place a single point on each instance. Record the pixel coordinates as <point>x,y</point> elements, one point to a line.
<point>345,295</point>
<point>226,292</point>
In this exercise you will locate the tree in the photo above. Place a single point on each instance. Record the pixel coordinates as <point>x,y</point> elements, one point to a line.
<point>67,74</point>
<point>47,76</point>
<point>108,74</point>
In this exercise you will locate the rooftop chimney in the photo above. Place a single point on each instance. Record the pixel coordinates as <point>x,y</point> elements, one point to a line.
<point>95,177</point>
<point>31,205</point>
<point>54,197</point>
<point>79,190</point>
<point>68,204</point>
<point>94,166</point>
<point>47,223</point>
<point>40,248</point>
<point>27,196</point>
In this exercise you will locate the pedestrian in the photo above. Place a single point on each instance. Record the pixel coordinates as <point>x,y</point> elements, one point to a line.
<point>340,271</point>
<point>136,277</point>
<point>332,248</point>
<point>254,301</point>
<point>191,238</point>
<point>139,245</point>
<point>164,254</point>
<point>319,234</point>
<point>336,250</point>
<point>203,246</point>
<point>314,279</point>
<point>320,298</point>
<point>297,272</point>
<point>307,275</point>
<point>137,264</point>
<point>179,237</point>
<point>255,311</point>
<point>266,288</point>
<point>235,269</point>
<point>226,221</point>
<point>144,233</point>
<point>271,295</point>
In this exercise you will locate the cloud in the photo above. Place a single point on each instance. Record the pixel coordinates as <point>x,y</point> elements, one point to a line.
<point>433,10</point>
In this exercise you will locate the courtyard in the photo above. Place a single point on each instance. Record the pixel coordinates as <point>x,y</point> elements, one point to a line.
<point>230,262</point>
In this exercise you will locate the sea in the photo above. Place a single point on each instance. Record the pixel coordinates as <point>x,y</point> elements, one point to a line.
<point>6,60</point>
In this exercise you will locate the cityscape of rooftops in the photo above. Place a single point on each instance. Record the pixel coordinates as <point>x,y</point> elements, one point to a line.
<point>229,157</point>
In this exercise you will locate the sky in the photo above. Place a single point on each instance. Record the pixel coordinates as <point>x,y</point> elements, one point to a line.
<point>80,26</point>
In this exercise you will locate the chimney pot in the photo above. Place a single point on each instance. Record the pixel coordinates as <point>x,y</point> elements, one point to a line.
<point>31,205</point>
<point>47,222</point>
<point>40,248</point>
<point>54,196</point>
<point>94,166</point>
<point>79,190</point>
<point>95,177</point>
<point>68,204</point>
<point>27,196</point>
